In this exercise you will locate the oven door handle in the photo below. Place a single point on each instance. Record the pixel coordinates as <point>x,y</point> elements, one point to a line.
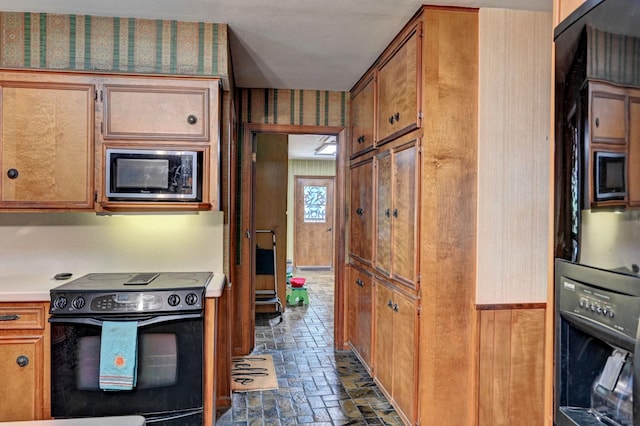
<point>141,322</point>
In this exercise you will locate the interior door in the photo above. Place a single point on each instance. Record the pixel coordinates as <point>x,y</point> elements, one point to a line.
<point>313,242</point>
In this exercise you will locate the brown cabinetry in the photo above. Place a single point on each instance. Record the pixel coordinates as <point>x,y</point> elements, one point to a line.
<point>396,347</point>
<point>46,141</point>
<point>614,119</point>
<point>397,184</point>
<point>399,87</point>
<point>424,190</point>
<point>362,117</point>
<point>360,312</point>
<point>362,213</point>
<point>24,361</point>
<point>157,109</point>
<point>160,113</point>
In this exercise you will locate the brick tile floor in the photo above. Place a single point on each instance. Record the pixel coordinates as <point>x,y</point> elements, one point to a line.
<point>316,384</point>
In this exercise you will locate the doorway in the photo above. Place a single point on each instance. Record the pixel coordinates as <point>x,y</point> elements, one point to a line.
<point>245,275</point>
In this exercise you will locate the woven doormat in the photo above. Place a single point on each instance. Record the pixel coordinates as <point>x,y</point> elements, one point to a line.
<point>253,373</point>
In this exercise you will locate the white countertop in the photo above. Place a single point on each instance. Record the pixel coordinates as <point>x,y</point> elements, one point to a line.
<point>35,288</point>
<point>93,421</point>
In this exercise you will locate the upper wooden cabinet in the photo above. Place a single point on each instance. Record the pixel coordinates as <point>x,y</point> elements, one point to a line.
<point>607,114</point>
<point>396,225</point>
<point>362,116</point>
<point>157,109</point>
<point>46,141</point>
<point>362,212</point>
<point>399,86</point>
<point>24,361</point>
<point>160,113</point>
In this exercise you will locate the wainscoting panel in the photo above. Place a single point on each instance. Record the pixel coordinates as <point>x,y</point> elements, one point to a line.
<point>511,362</point>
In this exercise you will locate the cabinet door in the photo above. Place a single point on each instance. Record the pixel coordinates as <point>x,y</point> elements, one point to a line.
<point>21,389</point>
<point>383,213</point>
<point>398,88</point>
<point>384,336</point>
<point>47,145</point>
<point>361,212</point>
<point>156,109</point>
<point>365,315</point>
<point>362,118</point>
<point>404,228</point>
<point>405,349</point>
<point>360,316</point>
<point>24,363</point>
<point>607,122</point>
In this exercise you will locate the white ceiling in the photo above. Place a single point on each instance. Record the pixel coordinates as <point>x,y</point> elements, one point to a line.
<point>284,44</point>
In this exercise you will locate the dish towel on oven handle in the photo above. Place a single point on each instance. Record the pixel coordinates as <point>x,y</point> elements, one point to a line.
<point>118,355</point>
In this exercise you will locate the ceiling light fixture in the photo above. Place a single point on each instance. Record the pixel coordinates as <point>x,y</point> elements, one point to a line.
<point>326,149</point>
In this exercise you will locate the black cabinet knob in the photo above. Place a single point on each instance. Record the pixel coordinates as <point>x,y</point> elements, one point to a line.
<point>387,213</point>
<point>12,173</point>
<point>192,119</point>
<point>397,116</point>
<point>22,361</point>
<point>597,122</point>
<point>359,211</point>
<point>391,120</point>
<point>395,213</point>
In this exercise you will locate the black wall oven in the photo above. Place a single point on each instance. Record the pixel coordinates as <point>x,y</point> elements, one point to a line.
<point>169,320</point>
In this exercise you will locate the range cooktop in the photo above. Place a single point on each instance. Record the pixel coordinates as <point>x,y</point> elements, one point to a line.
<point>117,293</point>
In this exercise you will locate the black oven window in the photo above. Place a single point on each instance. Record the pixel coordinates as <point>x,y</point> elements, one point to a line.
<point>157,361</point>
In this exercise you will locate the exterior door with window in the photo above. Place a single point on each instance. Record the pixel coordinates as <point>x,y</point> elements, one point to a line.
<point>313,241</point>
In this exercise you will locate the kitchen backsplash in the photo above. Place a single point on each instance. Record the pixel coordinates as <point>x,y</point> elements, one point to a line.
<point>47,243</point>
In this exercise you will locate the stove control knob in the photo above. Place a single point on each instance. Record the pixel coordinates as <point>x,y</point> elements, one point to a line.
<point>78,302</point>
<point>60,302</point>
<point>173,300</point>
<point>191,299</point>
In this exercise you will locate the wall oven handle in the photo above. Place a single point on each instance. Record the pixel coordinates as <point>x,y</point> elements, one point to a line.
<point>141,322</point>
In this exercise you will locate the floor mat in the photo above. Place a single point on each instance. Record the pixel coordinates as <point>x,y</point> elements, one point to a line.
<point>253,373</point>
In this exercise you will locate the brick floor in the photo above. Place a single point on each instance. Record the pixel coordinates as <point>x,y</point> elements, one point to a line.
<point>317,385</point>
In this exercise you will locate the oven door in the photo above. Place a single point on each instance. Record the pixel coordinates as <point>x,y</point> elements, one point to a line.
<point>169,389</point>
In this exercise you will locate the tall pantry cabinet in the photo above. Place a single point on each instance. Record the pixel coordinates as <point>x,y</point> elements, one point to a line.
<point>412,218</point>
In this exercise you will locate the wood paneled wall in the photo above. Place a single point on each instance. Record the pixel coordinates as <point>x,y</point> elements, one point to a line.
<point>510,365</point>
<point>513,155</point>
<point>271,205</point>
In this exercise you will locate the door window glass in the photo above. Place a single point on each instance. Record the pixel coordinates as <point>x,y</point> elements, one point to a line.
<point>315,204</point>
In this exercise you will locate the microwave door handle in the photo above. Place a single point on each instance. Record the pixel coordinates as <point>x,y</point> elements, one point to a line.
<point>141,322</point>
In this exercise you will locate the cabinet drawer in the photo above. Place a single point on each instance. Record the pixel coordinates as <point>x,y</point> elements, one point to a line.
<point>148,111</point>
<point>15,317</point>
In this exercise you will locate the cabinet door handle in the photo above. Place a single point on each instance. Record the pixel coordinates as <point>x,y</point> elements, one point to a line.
<point>12,317</point>
<point>359,211</point>
<point>22,361</point>
<point>395,213</point>
<point>397,116</point>
<point>597,122</point>
<point>359,282</point>
<point>387,212</point>
<point>390,303</point>
<point>12,173</point>
<point>391,120</point>
<point>364,138</point>
<point>192,119</point>
<point>395,307</point>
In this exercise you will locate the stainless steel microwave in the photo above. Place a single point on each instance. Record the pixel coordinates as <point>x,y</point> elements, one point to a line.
<point>153,175</point>
<point>610,175</point>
